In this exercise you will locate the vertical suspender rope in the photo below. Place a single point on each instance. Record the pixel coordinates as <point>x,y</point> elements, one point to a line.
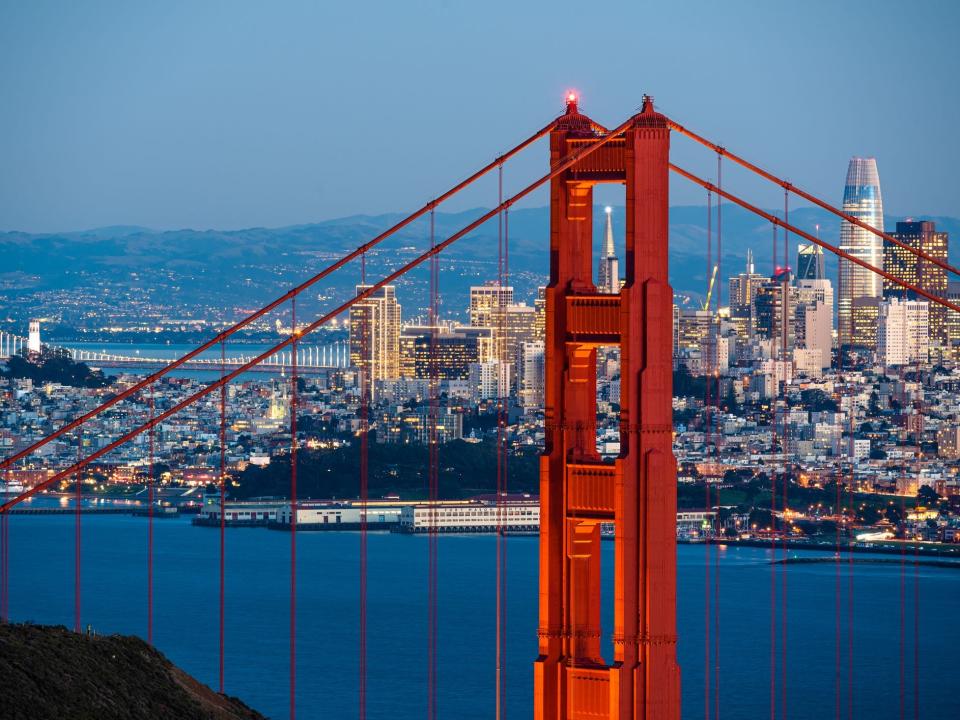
<point>717,438</point>
<point>773,530</point>
<point>150,502</point>
<point>503,281</point>
<point>903,604</point>
<point>364,490</point>
<point>853,516</point>
<point>916,632</point>
<point>76,539</point>
<point>707,615</point>
<point>293,510</point>
<point>498,697</point>
<point>785,333</point>
<point>432,472</point>
<point>838,478</point>
<point>504,467</point>
<point>223,504</point>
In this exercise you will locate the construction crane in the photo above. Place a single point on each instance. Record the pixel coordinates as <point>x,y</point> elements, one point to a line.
<point>713,279</point>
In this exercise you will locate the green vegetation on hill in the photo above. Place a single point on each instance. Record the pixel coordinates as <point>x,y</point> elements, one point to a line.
<point>52,673</point>
<point>54,366</point>
<point>466,469</point>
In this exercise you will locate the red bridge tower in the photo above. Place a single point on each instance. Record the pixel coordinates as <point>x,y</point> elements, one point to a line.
<point>637,493</point>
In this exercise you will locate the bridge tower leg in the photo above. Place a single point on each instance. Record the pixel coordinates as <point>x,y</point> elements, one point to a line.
<point>637,493</point>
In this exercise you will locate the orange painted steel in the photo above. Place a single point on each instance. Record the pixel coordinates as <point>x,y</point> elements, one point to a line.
<point>789,187</point>
<point>572,680</point>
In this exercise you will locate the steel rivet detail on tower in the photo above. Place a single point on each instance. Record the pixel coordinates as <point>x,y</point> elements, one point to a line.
<point>637,493</point>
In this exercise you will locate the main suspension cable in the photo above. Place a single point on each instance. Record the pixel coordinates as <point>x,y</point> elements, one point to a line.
<point>918,252</point>
<point>322,320</point>
<point>292,293</point>
<point>815,240</point>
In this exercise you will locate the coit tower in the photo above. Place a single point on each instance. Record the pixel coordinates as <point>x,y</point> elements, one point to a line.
<point>861,199</point>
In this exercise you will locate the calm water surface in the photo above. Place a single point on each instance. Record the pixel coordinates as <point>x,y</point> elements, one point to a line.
<point>185,621</point>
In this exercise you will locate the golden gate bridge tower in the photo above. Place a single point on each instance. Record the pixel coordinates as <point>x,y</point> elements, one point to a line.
<point>637,493</point>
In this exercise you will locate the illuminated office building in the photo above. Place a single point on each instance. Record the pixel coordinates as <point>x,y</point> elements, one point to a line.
<point>862,200</point>
<point>907,267</point>
<point>375,337</point>
<point>810,263</point>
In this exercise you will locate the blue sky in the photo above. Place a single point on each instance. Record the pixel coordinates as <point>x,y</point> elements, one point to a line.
<point>243,113</point>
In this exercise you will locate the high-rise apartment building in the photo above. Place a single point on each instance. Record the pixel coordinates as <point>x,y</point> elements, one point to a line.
<point>907,267</point>
<point>530,375</point>
<point>903,332</point>
<point>861,199</point>
<point>774,310</point>
<point>540,321</point>
<point>814,318</point>
<point>521,328</point>
<point>375,337</point>
<point>488,308</point>
<point>743,291</point>
<point>608,275</point>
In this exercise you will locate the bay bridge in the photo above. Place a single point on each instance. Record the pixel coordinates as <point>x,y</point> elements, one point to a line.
<point>310,358</point>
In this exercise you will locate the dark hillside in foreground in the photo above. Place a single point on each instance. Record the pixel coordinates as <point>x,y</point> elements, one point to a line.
<point>50,672</point>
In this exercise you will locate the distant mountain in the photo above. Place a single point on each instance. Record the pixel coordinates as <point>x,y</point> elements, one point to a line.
<point>243,266</point>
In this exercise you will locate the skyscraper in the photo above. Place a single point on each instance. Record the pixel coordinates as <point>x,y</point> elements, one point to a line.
<point>743,291</point>
<point>862,200</point>
<point>488,308</point>
<point>907,267</point>
<point>608,280</point>
<point>774,310</point>
<point>810,262</point>
<point>814,317</point>
<point>375,336</point>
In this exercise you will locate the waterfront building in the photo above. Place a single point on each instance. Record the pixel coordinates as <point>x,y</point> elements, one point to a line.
<point>375,337</point>
<point>903,332</point>
<point>862,200</point>
<point>514,515</point>
<point>907,267</point>
<point>608,274</point>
